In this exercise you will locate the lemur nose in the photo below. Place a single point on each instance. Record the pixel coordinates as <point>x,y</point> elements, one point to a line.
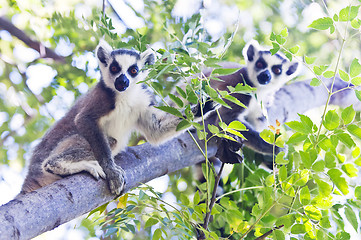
<point>264,77</point>
<point>121,83</point>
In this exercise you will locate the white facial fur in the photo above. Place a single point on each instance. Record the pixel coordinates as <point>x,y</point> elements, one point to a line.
<point>124,60</point>
<point>253,53</point>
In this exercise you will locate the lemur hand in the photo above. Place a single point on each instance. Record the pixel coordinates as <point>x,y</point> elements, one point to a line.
<point>229,151</point>
<point>116,180</point>
<point>208,107</point>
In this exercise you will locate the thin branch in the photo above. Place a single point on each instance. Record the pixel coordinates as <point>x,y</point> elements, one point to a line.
<point>21,35</point>
<point>268,233</point>
<point>213,201</point>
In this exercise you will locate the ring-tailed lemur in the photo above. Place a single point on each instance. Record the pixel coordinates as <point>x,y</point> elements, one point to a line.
<point>99,124</point>
<point>267,73</point>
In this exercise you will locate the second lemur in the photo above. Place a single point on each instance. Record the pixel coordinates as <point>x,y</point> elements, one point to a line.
<point>265,72</point>
<point>99,124</point>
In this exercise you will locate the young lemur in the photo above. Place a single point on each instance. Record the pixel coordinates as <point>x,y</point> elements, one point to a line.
<point>99,124</point>
<point>265,72</point>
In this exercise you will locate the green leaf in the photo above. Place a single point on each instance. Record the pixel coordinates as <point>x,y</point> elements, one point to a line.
<point>356,23</point>
<point>176,100</point>
<point>324,188</point>
<point>184,124</point>
<point>325,222</point>
<point>278,235</point>
<point>348,114</point>
<point>196,198</point>
<point>335,17</point>
<point>354,130</point>
<point>358,94</point>
<point>358,192</point>
<point>355,68</point>
<point>282,173</point>
<point>298,229</point>
<point>211,92</point>
<point>330,160</point>
<point>346,139</point>
<point>356,81</point>
<point>310,60</point>
<point>157,234</point>
<point>348,13</point>
<point>213,129</point>
<point>318,166</point>
<point>280,159</point>
<point>332,121</point>
<point>338,180</point>
<point>294,49</point>
<point>351,217</point>
<point>237,125</point>
<point>307,123</point>
<point>328,74</point>
<point>322,23</point>
<point>284,32</point>
<point>268,136</point>
<point>235,100</point>
<point>170,110</point>
<point>306,160</point>
<point>181,92</point>
<point>150,222</point>
<point>270,180</point>
<point>315,82</point>
<point>305,197</point>
<point>350,169</point>
<point>275,48</point>
<point>299,127</point>
<point>313,213</point>
<point>224,71</point>
<point>344,75</point>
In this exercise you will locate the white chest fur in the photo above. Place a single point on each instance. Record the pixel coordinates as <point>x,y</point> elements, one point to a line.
<point>121,121</point>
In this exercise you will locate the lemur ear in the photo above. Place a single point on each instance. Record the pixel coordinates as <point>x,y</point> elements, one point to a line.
<point>293,69</point>
<point>103,52</point>
<point>249,51</point>
<point>147,57</point>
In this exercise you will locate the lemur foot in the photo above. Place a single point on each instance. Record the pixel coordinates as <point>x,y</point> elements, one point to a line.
<point>95,170</point>
<point>116,180</point>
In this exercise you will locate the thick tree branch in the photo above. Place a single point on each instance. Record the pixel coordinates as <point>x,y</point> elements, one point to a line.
<point>32,214</point>
<point>21,35</point>
<point>42,210</point>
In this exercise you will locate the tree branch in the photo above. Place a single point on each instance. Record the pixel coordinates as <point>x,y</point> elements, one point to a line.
<point>32,214</point>
<point>21,35</point>
<point>44,209</point>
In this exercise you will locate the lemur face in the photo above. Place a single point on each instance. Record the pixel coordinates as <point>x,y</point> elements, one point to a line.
<point>121,68</point>
<point>267,71</point>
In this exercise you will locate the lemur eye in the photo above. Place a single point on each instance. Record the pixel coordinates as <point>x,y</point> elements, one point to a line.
<point>114,69</point>
<point>277,70</point>
<point>259,64</point>
<point>133,71</point>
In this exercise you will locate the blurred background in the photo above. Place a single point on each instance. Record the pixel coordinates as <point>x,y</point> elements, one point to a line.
<point>37,90</point>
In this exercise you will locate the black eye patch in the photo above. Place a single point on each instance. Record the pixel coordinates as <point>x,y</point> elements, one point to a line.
<point>114,67</point>
<point>277,69</point>
<point>133,70</point>
<point>261,63</point>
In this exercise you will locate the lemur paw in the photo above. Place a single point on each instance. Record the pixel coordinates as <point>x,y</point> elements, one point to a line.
<point>95,170</point>
<point>229,151</point>
<point>116,180</point>
<point>208,107</point>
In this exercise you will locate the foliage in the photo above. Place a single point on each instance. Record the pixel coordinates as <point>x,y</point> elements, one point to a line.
<point>311,192</point>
